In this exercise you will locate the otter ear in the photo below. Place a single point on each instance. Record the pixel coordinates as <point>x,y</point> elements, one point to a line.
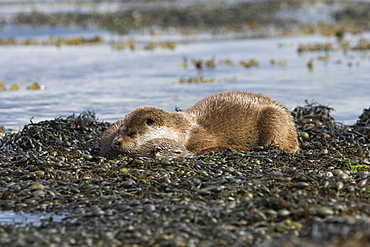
<point>149,121</point>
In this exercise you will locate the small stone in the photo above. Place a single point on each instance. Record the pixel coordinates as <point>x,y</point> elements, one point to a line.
<point>324,211</point>
<point>204,192</point>
<point>39,173</point>
<point>302,185</point>
<point>165,162</point>
<point>339,185</point>
<point>88,157</point>
<point>127,184</point>
<point>340,174</point>
<point>268,160</point>
<point>86,177</point>
<point>259,148</point>
<point>138,162</point>
<point>362,183</point>
<point>305,136</point>
<point>283,213</point>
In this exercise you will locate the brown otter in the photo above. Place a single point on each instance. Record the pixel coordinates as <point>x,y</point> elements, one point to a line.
<point>233,118</point>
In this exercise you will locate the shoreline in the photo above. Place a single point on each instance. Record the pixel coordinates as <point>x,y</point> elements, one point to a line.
<point>259,198</point>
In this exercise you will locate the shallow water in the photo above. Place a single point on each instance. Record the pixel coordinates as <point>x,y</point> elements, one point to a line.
<point>23,218</point>
<point>112,83</point>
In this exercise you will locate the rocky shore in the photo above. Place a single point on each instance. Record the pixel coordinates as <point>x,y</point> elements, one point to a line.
<point>319,196</point>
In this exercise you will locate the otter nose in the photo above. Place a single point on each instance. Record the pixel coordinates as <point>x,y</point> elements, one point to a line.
<point>116,144</point>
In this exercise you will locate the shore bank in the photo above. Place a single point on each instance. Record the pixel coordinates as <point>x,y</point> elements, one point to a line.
<point>261,198</point>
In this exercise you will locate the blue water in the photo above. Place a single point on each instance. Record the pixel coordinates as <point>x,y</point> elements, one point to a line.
<point>23,218</point>
<point>112,83</point>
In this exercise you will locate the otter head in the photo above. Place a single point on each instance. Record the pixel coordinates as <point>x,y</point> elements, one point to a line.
<point>147,123</point>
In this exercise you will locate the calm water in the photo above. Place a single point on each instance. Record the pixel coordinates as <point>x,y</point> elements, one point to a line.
<point>112,83</point>
<point>23,218</point>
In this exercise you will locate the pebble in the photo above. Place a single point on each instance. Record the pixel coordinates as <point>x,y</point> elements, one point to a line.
<point>341,174</point>
<point>283,213</point>
<point>339,185</point>
<point>324,211</point>
<point>302,185</point>
<point>218,199</point>
<point>362,183</point>
<point>305,136</point>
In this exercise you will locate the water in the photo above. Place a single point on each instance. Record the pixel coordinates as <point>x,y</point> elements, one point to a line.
<point>22,218</point>
<point>112,83</point>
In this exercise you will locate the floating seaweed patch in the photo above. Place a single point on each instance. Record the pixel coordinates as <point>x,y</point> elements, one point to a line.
<point>232,78</point>
<point>343,45</point>
<point>211,63</point>
<point>53,40</point>
<point>250,63</point>
<point>168,45</point>
<point>184,63</point>
<point>80,41</point>
<point>2,86</point>
<point>17,86</point>
<point>150,46</point>
<point>131,44</point>
<point>282,62</point>
<point>338,29</point>
<point>323,57</point>
<point>9,42</point>
<point>31,42</point>
<point>227,61</point>
<point>198,63</point>
<point>162,45</point>
<point>199,79</point>
<point>124,45</point>
<point>310,64</point>
<point>362,45</point>
<point>315,47</point>
<point>36,86</point>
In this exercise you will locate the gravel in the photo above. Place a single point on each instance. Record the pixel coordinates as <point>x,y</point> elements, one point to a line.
<point>318,196</point>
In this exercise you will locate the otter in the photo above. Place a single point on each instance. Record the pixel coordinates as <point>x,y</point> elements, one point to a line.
<point>232,118</point>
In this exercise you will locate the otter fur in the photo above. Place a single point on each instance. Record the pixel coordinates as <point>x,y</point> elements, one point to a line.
<point>232,118</point>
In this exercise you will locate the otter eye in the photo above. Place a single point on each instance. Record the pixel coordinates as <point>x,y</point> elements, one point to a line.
<point>149,121</point>
<point>131,133</point>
